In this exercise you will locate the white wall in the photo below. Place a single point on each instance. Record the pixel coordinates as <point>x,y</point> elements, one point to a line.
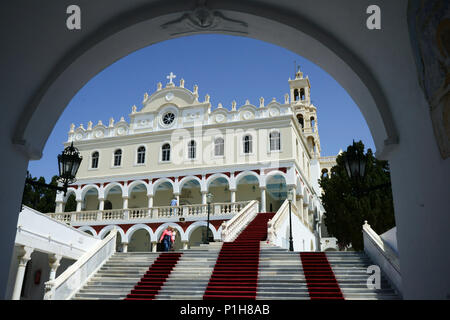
<point>302,237</point>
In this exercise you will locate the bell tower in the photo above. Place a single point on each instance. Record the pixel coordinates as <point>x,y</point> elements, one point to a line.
<point>300,88</point>
<point>305,112</point>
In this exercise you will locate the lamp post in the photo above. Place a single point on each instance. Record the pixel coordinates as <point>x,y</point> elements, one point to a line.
<point>290,197</point>
<point>209,197</point>
<point>355,165</point>
<point>68,163</point>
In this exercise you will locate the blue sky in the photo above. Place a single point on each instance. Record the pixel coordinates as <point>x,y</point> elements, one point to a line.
<point>225,67</point>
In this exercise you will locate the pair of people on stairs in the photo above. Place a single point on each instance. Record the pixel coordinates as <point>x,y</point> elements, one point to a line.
<point>168,238</point>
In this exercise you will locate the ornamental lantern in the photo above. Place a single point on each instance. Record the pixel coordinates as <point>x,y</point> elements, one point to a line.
<point>68,163</point>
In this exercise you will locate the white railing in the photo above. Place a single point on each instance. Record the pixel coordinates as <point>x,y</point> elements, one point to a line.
<point>71,280</point>
<point>39,231</point>
<point>232,227</point>
<point>275,223</point>
<point>383,256</point>
<point>195,210</point>
<point>275,226</point>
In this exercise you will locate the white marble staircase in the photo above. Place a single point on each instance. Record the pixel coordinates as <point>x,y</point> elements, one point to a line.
<point>280,275</point>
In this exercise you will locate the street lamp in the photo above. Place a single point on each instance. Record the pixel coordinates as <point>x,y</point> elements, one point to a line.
<point>68,163</point>
<point>355,165</point>
<point>290,197</point>
<point>209,198</point>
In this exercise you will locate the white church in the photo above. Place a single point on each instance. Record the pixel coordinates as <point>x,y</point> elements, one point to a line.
<point>179,146</point>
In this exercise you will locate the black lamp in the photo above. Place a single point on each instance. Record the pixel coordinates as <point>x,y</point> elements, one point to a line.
<point>68,163</point>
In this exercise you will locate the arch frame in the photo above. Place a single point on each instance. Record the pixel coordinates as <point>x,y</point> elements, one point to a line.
<point>199,224</point>
<point>140,226</point>
<point>162,227</point>
<point>110,227</point>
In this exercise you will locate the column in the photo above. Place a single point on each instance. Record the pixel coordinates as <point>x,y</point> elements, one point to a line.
<point>24,256</point>
<point>126,213</point>
<point>150,200</point>
<point>185,245</point>
<point>59,207</point>
<point>54,262</point>
<point>154,244</point>
<point>101,204</point>
<point>233,200</point>
<point>150,205</point>
<point>79,205</point>
<point>124,246</point>
<point>125,202</point>
<point>263,198</point>
<point>233,195</point>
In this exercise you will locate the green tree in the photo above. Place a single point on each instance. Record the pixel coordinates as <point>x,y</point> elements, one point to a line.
<point>347,207</point>
<point>40,198</point>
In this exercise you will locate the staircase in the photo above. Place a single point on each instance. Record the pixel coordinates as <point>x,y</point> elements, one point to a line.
<point>247,268</point>
<point>117,277</point>
<point>235,275</point>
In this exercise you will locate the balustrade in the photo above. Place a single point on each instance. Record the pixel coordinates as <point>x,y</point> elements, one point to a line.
<point>195,210</point>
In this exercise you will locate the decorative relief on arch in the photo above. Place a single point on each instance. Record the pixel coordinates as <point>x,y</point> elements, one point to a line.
<point>201,19</point>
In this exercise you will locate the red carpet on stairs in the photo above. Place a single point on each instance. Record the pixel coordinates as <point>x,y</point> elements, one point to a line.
<point>235,275</point>
<point>154,279</point>
<point>320,279</point>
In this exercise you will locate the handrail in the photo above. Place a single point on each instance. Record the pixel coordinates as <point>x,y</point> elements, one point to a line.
<point>232,227</point>
<point>385,250</point>
<point>276,221</point>
<point>382,255</point>
<point>68,283</point>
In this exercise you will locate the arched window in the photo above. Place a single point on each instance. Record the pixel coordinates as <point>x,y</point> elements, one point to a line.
<point>117,157</point>
<point>302,94</point>
<point>274,141</point>
<point>247,144</point>
<point>165,151</point>
<point>191,149</point>
<point>94,163</point>
<point>296,95</point>
<point>141,155</point>
<point>219,147</point>
<point>313,123</point>
<point>300,120</point>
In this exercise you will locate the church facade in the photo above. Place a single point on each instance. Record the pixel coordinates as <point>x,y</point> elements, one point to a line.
<point>212,161</point>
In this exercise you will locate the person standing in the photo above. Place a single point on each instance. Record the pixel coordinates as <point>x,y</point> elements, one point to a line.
<point>167,239</point>
<point>173,203</point>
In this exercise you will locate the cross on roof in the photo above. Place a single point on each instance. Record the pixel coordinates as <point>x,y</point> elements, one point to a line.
<point>170,77</point>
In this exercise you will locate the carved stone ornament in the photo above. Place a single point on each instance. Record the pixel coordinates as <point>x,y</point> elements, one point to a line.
<point>204,19</point>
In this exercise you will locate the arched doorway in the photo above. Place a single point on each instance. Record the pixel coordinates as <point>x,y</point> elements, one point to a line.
<point>139,241</point>
<point>90,201</point>
<point>220,189</point>
<point>114,196</point>
<point>276,192</point>
<point>247,188</point>
<point>163,194</point>
<point>190,192</point>
<point>138,196</point>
